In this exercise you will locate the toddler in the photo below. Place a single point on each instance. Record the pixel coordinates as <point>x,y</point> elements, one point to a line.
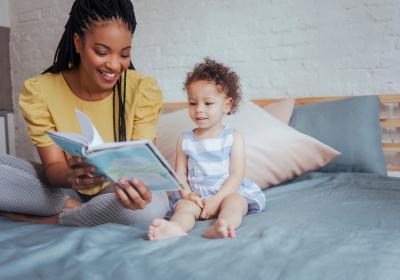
<point>210,160</point>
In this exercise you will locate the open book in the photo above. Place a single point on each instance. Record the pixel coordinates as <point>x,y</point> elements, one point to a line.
<point>132,159</point>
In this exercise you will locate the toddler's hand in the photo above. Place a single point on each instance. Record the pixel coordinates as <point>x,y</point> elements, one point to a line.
<point>195,197</point>
<point>192,196</point>
<point>211,207</point>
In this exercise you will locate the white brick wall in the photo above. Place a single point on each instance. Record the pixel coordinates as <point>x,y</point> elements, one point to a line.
<point>278,47</point>
<point>36,28</point>
<point>4,13</point>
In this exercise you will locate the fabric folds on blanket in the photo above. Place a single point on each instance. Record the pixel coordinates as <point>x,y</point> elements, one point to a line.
<point>319,226</point>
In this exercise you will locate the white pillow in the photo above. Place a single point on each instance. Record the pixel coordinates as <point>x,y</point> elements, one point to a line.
<point>275,152</point>
<point>282,110</point>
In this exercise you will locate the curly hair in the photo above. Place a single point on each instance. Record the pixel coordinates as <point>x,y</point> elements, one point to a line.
<point>226,80</point>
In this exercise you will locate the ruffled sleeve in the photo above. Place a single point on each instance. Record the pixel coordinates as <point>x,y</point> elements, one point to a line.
<point>147,111</point>
<point>36,113</point>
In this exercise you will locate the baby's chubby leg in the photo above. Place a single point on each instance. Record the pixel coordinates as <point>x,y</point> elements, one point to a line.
<point>233,208</point>
<point>182,221</point>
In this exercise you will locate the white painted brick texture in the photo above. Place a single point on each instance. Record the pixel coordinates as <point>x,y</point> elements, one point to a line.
<point>278,47</point>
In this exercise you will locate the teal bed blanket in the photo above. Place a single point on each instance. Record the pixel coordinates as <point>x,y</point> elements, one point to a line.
<point>319,226</point>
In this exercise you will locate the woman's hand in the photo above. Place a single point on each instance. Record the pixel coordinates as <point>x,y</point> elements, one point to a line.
<point>211,207</point>
<point>135,195</point>
<point>80,175</point>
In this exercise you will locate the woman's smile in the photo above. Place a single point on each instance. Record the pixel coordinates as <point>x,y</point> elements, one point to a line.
<point>109,77</point>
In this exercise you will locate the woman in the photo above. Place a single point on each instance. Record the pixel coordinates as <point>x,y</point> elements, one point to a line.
<point>92,71</point>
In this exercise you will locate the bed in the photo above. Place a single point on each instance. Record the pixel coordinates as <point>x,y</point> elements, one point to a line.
<point>337,221</point>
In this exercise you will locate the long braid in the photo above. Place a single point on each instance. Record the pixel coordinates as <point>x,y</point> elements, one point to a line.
<point>121,100</point>
<point>82,14</point>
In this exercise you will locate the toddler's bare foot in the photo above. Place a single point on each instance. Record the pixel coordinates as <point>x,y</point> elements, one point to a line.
<point>30,218</point>
<point>161,229</point>
<point>220,229</point>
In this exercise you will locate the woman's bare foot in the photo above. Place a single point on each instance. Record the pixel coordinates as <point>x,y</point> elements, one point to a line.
<point>71,203</point>
<point>30,218</point>
<point>220,229</point>
<point>161,229</point>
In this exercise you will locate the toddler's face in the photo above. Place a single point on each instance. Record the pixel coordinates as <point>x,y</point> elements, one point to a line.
<point>207,106</point>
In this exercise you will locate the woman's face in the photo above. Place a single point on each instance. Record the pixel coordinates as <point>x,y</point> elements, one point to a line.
<point>105,52</point>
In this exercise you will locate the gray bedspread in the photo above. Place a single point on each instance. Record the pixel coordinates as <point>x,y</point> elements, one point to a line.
<point>320,226</point>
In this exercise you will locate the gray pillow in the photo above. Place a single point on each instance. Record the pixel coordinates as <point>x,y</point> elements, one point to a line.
<point>350,126</point>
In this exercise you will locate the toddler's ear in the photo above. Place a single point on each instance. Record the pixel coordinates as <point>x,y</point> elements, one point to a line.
<point>228,105</point>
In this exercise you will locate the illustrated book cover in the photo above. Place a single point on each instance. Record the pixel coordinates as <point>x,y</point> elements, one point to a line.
<point>132,159</point>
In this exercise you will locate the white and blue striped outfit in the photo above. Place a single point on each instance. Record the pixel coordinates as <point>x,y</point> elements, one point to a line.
<point>208,168</point>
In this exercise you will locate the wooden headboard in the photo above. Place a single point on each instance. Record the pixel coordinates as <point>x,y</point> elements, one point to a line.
<point>386,122</point>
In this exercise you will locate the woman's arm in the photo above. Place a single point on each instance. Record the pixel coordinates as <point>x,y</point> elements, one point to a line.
<point>55,165</point>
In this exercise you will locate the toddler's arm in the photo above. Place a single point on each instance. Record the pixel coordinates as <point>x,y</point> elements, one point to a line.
<point>181,165</point>
<point>236,168</point>
<point>232,183</point>
<point>181,168</point>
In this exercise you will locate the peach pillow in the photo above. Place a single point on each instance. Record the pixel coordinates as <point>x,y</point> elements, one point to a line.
<point>275,152</point>
<point>282,110</point>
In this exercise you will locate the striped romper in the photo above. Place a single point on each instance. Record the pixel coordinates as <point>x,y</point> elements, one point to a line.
<point>208,168</point>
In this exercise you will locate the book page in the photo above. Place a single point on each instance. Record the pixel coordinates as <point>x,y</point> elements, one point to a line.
<point>113,145</point>
<point>134,161</point>
<point>88,130</point>
<point>73,144</point>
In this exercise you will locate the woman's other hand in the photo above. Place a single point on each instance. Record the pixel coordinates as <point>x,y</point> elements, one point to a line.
<point>135,195</point>
<point>80,175</point>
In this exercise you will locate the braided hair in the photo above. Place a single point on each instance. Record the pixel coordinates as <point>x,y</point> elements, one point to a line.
<point>83,13</point>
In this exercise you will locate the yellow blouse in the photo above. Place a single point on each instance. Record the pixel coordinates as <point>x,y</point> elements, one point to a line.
<point>48,104</point>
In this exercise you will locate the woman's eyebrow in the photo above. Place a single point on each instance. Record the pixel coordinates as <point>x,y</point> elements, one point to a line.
<point>108,48</point>
<point>102,45</point>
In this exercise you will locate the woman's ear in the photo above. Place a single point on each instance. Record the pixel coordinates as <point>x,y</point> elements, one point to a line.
<point>77,43</point>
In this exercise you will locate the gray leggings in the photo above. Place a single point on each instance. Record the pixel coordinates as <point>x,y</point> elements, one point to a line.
<point>22,191</point>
